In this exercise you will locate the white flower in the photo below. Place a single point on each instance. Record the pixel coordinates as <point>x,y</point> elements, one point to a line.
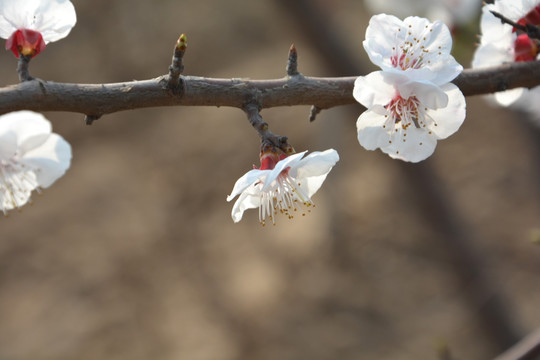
<point>501,44</point>
<point>31,157</point>
<point>449,11</point>
<point>30,24</point>
<point>410,104</point>
<point>282,189</point>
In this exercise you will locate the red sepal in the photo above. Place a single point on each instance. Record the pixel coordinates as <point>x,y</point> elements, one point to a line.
<point>25,42</point>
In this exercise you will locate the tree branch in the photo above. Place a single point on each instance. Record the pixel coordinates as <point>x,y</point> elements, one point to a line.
<point>323,93</point>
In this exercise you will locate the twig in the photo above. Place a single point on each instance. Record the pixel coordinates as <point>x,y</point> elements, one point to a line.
<point>22,68</point>
<point>313,113</point>
<point>89,119</point>
<point>527,349</point>
<point>268,139</point>
<point>177,66</point>
<point>532,30</point>
<point>292,63</point>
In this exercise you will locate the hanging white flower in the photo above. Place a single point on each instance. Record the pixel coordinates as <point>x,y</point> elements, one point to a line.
<point>500,44</point>
<point>28,25</point>
<point>282,186</point>
<point>411,103</point>
<point>31,157</point>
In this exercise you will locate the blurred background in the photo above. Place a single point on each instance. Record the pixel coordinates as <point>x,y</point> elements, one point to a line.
<point>133,253</point>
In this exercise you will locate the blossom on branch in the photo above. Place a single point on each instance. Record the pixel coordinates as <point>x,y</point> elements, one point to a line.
<point>31,157</point>
<point>30,24</point>
<point>410,103</point>
<point>501,43</point>
<point>282,185</point>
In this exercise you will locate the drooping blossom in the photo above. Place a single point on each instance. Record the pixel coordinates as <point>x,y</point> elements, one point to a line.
<point>282,185</point>
<point>500,43</point>
<point>31,157</point>
<point>410,103</point>
<point>28,25</point>
<point>451,12</point>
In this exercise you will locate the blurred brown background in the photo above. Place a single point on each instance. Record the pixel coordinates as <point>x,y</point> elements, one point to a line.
<point>133,253</point>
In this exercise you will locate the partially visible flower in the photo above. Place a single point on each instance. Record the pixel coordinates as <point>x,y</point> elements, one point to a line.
<point>411,103</point>
<point>500,43</point>
<point>30,24</point>
<point>282,186</point>
<point>31,157</point>
<point>451,12</point>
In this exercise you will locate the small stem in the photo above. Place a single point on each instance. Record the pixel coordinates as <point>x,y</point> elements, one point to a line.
<point>268,138</point>
<point>531,30</point>
<point>177,66</point>
<point>315,110</point>
<point>22,68</point>
<point>292,63</point>
<point>89,119</point>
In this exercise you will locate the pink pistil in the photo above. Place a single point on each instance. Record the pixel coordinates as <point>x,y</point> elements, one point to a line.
<point>405,62</point>
<point>404,111</point>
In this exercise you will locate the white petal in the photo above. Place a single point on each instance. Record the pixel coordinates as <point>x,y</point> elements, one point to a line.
<point>315,164</point>
<point>50,160</point>
<point>371,131</point>
<point>508,97</point>
<point>31,128</point>
<point>374,88</point>
<point>8,145</point>
<point>52,18</point>
<point>11,18</point>
<point>491,54</point>
<point>449,118</point>
<point>248,179</point>
<point>418,146</point>
<point>443,70</point>
<point>313,170</point>
<point>428,94</point>
<point>245,201</point>
<point>382,33</point>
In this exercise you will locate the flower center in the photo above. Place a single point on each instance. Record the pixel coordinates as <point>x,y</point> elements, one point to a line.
<point>410,53</point>
<point>405,112</point>
<point>16,184</point>
<point>525,48</point>
<point>285,197</point>
<point>406,60</point>
<point>25,42</point>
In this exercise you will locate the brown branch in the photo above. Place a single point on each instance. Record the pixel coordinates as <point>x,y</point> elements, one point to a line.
<point>526,349</point>
<point>324,93</point>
